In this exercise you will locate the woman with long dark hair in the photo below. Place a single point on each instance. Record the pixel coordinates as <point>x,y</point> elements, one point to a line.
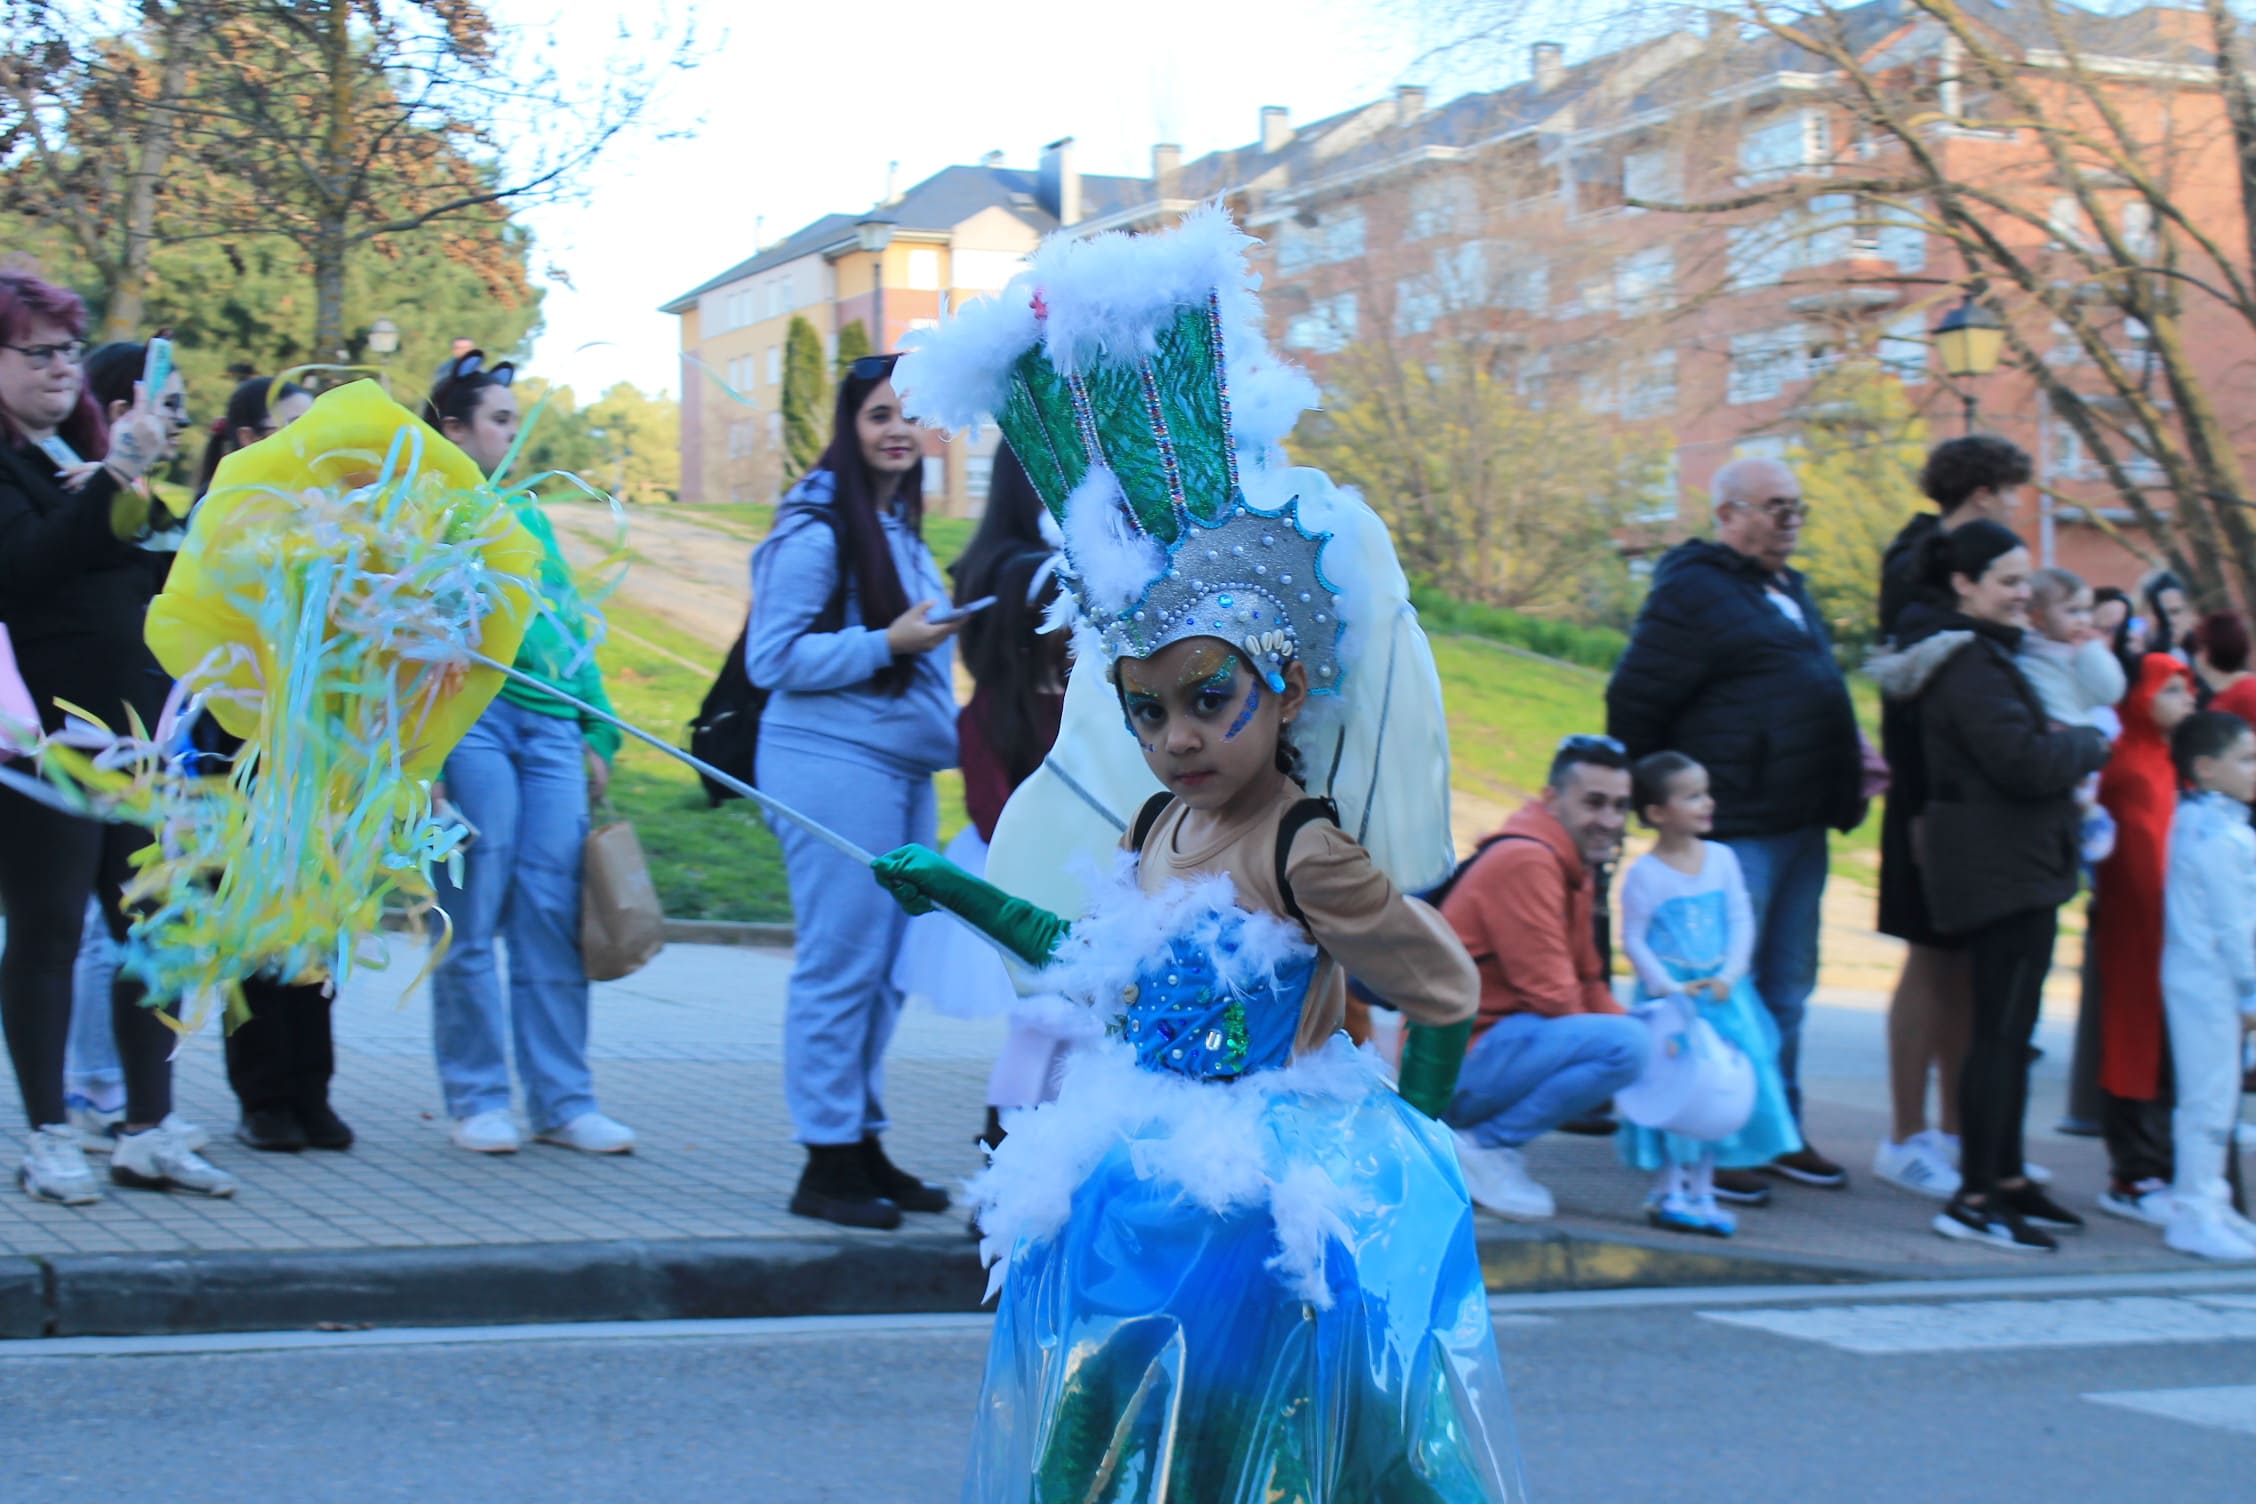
<point>74,590</point>
<point>258,406</point>
<point>861,713</point>
<point>523,778</point>
<point>1997,855</point>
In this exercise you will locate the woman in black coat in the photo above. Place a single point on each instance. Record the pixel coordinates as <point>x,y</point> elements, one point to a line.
<point>1997,849</point>
<point>74,590</point>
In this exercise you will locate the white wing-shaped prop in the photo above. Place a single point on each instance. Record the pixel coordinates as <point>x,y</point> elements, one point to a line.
<point>1380,749</point>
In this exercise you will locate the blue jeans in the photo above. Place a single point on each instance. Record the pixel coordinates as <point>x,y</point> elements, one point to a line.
<point>1786,887</point>
<point>842,1006</point>
<point>521,778</point>
<point>92,1069</point>
<point>1529,1073</point>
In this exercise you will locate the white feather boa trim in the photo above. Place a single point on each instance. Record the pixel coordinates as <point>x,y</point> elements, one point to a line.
<point>1212,1141</point>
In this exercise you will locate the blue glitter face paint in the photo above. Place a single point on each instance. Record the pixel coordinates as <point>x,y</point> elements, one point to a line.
<point>1245,716</point>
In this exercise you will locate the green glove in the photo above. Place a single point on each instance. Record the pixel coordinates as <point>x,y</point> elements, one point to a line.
<point>1431,1057</point>
<point>921,879</point>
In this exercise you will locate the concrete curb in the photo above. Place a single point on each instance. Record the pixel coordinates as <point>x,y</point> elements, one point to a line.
<point>684,1279</point>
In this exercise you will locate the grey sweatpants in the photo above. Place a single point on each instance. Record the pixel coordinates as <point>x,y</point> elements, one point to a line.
<point>842,1004</point>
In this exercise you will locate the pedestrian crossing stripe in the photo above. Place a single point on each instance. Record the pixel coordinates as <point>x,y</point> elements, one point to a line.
<point>1999,1325</point>
<point>2230,1407</point>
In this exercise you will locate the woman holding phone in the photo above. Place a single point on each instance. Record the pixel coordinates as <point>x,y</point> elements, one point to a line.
<point>861,713</point>
<point>74,589</point>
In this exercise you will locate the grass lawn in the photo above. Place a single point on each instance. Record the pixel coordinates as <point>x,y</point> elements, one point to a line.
<point>1508,708</point>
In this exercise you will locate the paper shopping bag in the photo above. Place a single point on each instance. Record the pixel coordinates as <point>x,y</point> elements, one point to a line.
<point>621,924</point>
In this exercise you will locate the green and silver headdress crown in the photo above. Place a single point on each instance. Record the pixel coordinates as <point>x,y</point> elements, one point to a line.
<point>1130,378</point>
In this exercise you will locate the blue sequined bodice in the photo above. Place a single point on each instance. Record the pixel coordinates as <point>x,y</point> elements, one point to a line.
<point>1183,1015</point>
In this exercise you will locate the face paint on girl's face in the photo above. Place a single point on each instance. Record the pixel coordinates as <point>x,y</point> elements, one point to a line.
<point>1208,732</point>
<point>1245,716</point>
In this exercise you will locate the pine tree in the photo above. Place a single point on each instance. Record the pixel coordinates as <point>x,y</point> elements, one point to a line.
<point>804,391</point>
<point>853,344</point>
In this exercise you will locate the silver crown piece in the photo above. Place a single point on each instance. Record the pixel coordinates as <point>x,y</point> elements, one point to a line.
<point>1256,580</point>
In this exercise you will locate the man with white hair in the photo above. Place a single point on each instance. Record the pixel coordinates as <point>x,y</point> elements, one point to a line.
<point>1730,664</point>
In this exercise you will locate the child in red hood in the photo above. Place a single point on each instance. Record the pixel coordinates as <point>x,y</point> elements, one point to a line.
<point>2139,787</point>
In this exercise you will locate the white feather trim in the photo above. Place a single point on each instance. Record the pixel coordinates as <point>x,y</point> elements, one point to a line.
<point>1114,560</point>
<point>1213,1142</point>
<point>1107,297</point>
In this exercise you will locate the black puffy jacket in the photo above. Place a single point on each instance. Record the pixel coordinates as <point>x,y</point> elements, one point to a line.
<point>1716,671</point>
<point>1998,835</point>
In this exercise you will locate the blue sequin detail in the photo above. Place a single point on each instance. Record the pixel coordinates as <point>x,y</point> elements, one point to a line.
<point>1180,1019</point>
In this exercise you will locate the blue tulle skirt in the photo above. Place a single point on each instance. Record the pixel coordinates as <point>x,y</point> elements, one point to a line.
<point>1743,1021</point>
<point>1261,1290</point>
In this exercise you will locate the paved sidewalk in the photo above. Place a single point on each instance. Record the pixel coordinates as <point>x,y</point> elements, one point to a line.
<point>689,1053</point>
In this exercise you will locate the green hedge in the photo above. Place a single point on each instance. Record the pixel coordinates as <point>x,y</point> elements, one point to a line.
<point>1592,647</point>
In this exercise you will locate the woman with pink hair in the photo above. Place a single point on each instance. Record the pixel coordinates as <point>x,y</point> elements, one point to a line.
<point>74,590</point>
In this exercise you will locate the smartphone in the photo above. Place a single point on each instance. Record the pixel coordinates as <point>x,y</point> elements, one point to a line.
<point>156,368</point>
<point>957,613</point>
<point>61,453</point>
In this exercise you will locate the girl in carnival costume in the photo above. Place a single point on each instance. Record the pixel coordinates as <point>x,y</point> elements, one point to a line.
<point>1234,1265</point>
<point>1688,927</point>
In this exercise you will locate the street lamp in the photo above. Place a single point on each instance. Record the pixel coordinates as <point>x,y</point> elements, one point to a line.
<point>1969,341</point>
<point>874,232</point>
<point>384,343</point>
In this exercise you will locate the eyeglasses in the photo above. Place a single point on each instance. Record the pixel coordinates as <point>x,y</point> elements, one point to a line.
<point>41,357</point>
<point>1779,509</point>
<point>871,367</point>
<point>1587,742</point>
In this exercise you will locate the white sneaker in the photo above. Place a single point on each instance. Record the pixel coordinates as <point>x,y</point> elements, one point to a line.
<point>190,1136</point>
<point>1916,1165</point>
<point>2202,1233</point>
<point>1497,1179</point>
<point>156,1160</point>
<point>2147,1202</point>
<point>54,1168</point>
<point>491,1132</point>
<point>591,1133</point>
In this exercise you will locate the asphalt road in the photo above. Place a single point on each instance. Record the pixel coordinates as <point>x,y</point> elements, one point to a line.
<point>2117,1388</point>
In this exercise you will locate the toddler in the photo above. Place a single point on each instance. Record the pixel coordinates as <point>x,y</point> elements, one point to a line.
<point>2078,679</point>
<point>1689,928</point>
<point>2209,974</point>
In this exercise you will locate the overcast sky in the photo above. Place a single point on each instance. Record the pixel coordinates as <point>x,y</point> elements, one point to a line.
<point>802,106</point>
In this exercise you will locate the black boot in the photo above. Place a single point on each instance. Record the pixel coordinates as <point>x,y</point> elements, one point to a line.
<point>323,1128</point>
<point>273,1129</point>
<point>835,1188</point>
<point>898,1185</point>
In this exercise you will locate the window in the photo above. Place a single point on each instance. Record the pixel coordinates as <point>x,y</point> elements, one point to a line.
<point>1767,446</point>
<point>916,324</point>
<point>1417,307</point>
<point>779,298</point>
<point>1326,328</point>
<point>1460,275</point>
<point>2137,220</point>
<point>1758,255</point>
<point>1661,504</point>
<point>924,270</point>
<point>985,271</point>
<point>1597,392</point>
<point>1535,380</point>
<point>775,365</point>
<point>1902,236</point>
<point>1439,206</point>
<point>1651,391</point>
<point>1645,281</point>
<point>1765,363</point>
<point>1785,144</point>
<point>1829,230</point>
<point>1903,349</point>
<point>1526,285</point>
<point>1336,237</point>
<point>1651,175</point>
<point>979,476</point>
<point>2066,221</point>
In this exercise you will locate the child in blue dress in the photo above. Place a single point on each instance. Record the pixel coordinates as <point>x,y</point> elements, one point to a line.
<point>1232,1264</point>
<point>1688,928</point>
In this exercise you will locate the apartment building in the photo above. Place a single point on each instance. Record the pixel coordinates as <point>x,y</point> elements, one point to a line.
<point>961,233</point>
